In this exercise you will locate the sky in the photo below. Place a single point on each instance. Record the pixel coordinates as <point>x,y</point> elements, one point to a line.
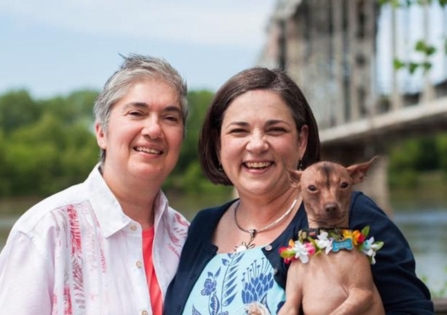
<point>54,47</point>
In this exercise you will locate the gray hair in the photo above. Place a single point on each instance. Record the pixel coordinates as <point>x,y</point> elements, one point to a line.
<point>136,68</point>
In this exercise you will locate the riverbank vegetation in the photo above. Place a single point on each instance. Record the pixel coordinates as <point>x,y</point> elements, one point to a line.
<point>48,144</point>
<point>415,162</point>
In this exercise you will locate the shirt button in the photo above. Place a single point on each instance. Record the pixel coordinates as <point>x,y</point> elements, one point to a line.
<point>144,313</point>
<point>139,264</point>
<point>133,227</point>
<point>268,248</point>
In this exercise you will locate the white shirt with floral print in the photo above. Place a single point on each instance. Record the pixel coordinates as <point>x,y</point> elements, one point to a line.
<point>76,252</point>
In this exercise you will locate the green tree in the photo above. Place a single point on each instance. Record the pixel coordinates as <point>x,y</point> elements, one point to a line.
<point>76,107</point>
<point>17,109</point>
<point>198,104</point>
<point>441,144</point>
<point>427,158</point>
<point>187,177</point>
<point>46,157</point>
<point>403,163</point>
<point>49,128</point>
<point>80,155</point>
<point>47,145</point>
<point>31,168</point>
<point>188,162</point>
<point>422,47</point>
<point>4,174</point>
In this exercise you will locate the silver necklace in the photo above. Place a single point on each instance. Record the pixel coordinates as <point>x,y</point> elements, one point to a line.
<point>253,232</point>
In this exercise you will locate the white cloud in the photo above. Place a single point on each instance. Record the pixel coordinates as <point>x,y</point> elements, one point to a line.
<point>216,22</point>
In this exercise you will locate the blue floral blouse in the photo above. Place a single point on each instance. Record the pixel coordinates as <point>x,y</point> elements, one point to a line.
<point>245,284</point>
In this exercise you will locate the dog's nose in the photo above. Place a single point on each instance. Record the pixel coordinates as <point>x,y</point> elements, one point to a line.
<point>331,207</point>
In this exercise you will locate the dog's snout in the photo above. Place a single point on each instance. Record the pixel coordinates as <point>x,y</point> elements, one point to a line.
<point>331,208</point>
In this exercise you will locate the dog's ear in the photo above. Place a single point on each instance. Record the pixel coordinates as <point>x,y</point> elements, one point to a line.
<point>358,171</point>
<point>295,177</point>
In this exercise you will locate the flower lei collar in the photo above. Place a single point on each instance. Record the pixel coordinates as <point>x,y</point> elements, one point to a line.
<point>314,241</point>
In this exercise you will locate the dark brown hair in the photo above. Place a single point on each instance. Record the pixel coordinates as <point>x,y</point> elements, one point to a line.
<point>254,79</point>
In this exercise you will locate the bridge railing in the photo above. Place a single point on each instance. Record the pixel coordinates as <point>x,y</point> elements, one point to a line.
<point>440,306</point>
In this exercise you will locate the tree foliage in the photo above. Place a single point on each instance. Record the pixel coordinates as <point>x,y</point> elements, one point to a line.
<point>17,109</point>
<point>47,145</point>
<point>422,47</point>
<point>413,156</point>
<point>187,177</point>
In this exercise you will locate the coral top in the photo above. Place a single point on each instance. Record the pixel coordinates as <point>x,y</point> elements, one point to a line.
<point>152,282</point>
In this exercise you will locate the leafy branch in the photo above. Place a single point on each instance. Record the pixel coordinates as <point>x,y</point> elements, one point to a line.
<point>408,3</point>
<point>421,47</point>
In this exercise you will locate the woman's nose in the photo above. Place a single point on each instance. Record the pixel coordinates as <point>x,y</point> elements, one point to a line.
<point>257,142</point>
<point>152,128</point>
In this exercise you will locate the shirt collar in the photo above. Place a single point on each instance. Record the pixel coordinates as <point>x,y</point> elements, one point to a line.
<point>160,207</point>
<point>107,209</point>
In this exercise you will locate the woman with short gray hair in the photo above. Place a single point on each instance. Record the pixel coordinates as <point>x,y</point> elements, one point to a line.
<point>111,244</point>
<point>135,68</point>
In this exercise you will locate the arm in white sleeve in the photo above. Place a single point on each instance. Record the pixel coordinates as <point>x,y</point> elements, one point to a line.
<point>26,280</point>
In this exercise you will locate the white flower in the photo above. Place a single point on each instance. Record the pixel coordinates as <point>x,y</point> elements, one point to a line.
<point>301,252</point>
<point>370,249</point>
<point>324,242</point>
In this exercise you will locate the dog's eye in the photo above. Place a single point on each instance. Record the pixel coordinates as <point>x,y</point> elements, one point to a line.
<point>344,185</point>
<point>312,188</point>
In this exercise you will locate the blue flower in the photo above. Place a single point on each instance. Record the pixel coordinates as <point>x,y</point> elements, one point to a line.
<point>209,286</point>
<point>258,280</point>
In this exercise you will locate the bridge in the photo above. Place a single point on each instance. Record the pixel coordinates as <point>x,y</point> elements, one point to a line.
<point>342,55</point>
<point>359,139</point>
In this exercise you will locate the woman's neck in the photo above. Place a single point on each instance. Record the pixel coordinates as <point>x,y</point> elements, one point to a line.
<point>136,199</point>
<point>255,213</point>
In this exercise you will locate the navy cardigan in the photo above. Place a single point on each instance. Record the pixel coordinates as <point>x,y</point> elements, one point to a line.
<point>394,271</point>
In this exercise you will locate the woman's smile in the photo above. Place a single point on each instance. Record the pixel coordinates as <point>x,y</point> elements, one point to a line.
<point>258,130</point>
<point>257,165</point>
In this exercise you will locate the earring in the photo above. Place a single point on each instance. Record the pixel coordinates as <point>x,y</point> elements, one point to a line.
<point>220,168</point>
<point>300,165</point>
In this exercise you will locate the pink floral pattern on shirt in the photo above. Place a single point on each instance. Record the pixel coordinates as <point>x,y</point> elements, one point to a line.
<point>80,254</point>
<point>79,233</point>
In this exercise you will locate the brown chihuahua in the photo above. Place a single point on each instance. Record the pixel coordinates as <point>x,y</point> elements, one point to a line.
<point>338,282</point>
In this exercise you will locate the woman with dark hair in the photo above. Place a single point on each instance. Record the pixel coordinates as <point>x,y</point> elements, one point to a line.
<point>259,125</point>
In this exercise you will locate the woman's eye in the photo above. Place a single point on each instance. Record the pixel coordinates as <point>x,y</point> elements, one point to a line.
<point>277,130</point>
<point>344,185</point>
<point>172,118</point>
<point>237,131</point>
<point>135,113</point>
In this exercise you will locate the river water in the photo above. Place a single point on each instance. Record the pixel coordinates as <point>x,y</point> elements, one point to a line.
<point>423,226</point>
<point>426,233</point>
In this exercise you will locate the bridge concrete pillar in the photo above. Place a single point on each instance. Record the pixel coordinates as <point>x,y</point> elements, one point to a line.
<point>375,184</point>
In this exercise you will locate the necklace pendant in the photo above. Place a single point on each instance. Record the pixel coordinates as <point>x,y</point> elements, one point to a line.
<point>252,233</point>
<point>244,246</point>
<point>240,248</point>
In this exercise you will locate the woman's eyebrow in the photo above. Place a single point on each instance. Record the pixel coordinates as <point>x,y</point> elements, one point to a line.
<point>135,105</point>
<point>238,123</point>
<point>273,122</point>
<point>169,108</point>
